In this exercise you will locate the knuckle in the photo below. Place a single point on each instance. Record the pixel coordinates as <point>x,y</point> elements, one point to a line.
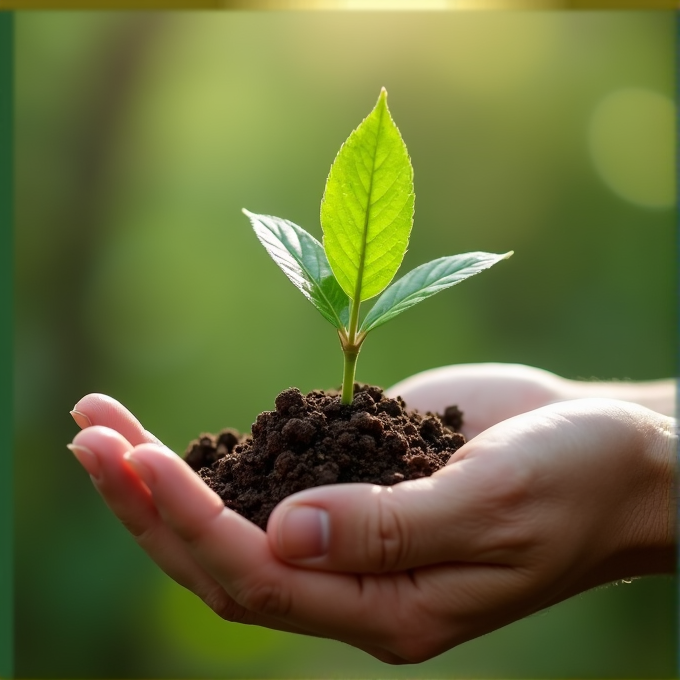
<point>418,655</point>
<point>226,608</point>
<point>388,540</point>
<point>417,634</point>
<point>391,659</point>
<point>414,649</point>
<point>385,655</point>
<point>265,598</point>
<point>503,491</point>
<point>511,512</point>
<point>511,484</point>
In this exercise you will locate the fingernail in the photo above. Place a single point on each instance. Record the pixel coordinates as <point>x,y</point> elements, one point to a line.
<point>82,421</point>
<point>144,472</point>
<point>303,532</point>
<point>87,458</point>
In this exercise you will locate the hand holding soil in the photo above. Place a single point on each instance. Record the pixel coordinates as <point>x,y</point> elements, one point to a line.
<point>551,498</point>
<point>359,435</point>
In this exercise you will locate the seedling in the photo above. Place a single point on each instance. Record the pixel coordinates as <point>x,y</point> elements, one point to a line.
<point>366,218</point>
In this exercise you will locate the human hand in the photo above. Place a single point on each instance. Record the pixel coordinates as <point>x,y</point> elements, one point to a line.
<point>488,393</point>
<point>533,510</point>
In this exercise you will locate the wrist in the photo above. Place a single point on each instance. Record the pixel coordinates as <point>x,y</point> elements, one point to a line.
<point>648,523</point>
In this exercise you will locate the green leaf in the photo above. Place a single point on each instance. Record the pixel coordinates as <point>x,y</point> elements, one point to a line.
<point>303,261</point>
<point>367,208</point>
<point>424,282</point>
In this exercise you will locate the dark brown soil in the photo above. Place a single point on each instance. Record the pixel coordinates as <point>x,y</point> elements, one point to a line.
<point>311,440</point>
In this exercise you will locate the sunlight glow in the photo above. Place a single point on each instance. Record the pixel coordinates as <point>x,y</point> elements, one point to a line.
<point>632,145</point>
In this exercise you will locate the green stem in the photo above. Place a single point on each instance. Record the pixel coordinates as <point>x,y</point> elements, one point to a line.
<point>353,322</point>
<point>351,356</point>
<point>351,344</point>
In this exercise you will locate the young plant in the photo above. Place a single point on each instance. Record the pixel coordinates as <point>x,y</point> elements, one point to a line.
<point>366,218</point>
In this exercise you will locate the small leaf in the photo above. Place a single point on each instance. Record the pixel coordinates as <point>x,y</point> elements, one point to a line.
<point>425,281</point>
<point>367,208</point>
<point>303,261</point>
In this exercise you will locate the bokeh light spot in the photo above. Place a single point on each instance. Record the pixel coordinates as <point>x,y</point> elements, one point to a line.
<point>632,145</point>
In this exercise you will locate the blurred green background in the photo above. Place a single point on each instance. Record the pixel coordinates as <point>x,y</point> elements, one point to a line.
<point>139,138</point>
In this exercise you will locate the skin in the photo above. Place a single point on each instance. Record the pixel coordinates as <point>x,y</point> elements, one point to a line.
<point>562,486</point>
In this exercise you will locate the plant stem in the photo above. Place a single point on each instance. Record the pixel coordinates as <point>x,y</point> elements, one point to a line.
<point>351,344</point>
<point>351,356</point>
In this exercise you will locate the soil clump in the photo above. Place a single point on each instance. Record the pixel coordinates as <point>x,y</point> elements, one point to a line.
<point>311,440</point>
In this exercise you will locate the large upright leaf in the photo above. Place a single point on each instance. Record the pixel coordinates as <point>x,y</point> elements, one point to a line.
<point>303,261</point>
<point>424,281</point>
<point>367,208</point>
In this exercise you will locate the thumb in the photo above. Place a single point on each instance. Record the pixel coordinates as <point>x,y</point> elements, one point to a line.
<point>364,528</point>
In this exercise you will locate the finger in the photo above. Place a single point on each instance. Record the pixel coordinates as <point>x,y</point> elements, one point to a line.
<point>100,409</point>
<point>400,617</point>
<point>102,450</point>
<point>474,509</point>
<point>237,554</point>
<point>132,504</point>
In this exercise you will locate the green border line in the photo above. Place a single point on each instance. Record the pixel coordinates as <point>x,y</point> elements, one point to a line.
<point>6,364</point>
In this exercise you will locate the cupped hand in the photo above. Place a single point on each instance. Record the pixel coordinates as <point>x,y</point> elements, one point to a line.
<point>110,433</point>
<point>488,393</point>
<point>537,508</point>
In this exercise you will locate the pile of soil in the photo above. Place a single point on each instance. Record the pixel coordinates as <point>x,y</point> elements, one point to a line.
<point>313,439</point>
